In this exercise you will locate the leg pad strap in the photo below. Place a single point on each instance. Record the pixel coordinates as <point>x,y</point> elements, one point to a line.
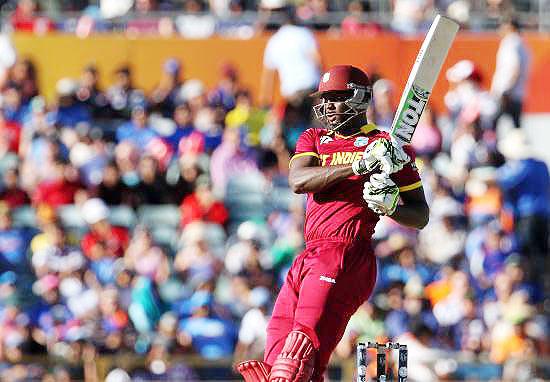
<point>296,361</point>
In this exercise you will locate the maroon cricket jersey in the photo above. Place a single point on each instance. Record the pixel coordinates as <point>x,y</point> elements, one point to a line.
<point>339,211</point>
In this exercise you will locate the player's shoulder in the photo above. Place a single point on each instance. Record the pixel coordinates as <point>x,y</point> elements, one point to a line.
<point>315,132</point>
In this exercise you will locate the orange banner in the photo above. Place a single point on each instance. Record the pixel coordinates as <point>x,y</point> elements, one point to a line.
<point>388,54</point>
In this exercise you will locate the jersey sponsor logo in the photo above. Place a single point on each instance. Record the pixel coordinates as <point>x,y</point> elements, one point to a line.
<point>327,279</point>
<point>340,157</point>
<point>326,139</point>
<point>361,141</point>
<point>414,105</point>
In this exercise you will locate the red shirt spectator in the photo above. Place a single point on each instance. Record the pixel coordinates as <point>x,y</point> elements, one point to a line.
<point>112,240</point>
<point>11,193</point>
<point>203,205</point>
<point>103,238</point>
<point>10,133</point>
<point>25,18</point>
<point>55,193</point>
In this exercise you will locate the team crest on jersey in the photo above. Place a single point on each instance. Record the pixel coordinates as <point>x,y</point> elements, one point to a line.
<point>361,141</point>
<point>325,139</point>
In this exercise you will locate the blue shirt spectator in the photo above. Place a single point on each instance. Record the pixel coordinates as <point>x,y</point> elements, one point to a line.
<point>212,338</point>
<point>70,115</point>
<point>136,131</point>
<point>526,186</point>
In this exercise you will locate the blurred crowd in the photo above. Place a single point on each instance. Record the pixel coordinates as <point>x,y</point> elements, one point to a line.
<point>160,223</point>
<point>246,18</point>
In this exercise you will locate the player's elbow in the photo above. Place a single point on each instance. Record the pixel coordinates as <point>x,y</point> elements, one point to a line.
<point>424,218</point>
<point>297,183</point>
<point>297,187</point>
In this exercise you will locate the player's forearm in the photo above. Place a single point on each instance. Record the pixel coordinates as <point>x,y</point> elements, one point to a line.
<point>412,215</point>
<point>315,179</point>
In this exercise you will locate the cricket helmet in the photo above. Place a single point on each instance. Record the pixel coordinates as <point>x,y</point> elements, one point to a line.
<point>343,78</point>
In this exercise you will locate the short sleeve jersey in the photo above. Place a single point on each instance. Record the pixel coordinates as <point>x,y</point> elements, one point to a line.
<point>339,211</point>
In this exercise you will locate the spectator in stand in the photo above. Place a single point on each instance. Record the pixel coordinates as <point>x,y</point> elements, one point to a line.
<point>23,75</point>
<point>354,23</point>
<point>247,117</point>
<point>230,159</point>
<point>89,93</point>
<point>203,205</point>
<point>252,333</point>
<point>52,253</point>
<point>26,19</point>
<point>137,131</point>
<point>103,239</point>
<point>14,243</point>
<point>143,22</point>
<point>144,257</point>
<point>196,259</point>
<point>293,54</point>
<point>10,135</point>
<point>409,16</point>
<point>397,320</point>
<point>525,184</point>
<point>422,352</point>
<point>428,140</point>
<point>443,238</point>
<point>111,189</point>
<point>152,187</point>
<point>164,96</point>
<point>60,186</point>
<point>195,23</point>
<point>234,24</point>
<point>189,172</point>
<point>11,193</point>
<point>7,58</point>
<point>466,97</point>
<point>12,104</point>
<point>511,71</point>
<point>383,107</point>
<point>406,267</point>
<point>122,94</point>
<point>483,196</point>
<point>69,112</point>
<point>225,92</point>
<point>184,126</point>
<point>210,336</point>
<point>315,13</point>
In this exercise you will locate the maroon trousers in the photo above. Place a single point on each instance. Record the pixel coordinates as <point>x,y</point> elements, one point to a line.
<point>326,284</point>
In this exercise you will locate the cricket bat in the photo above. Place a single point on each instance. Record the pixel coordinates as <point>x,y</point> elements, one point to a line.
<point>423,75</point>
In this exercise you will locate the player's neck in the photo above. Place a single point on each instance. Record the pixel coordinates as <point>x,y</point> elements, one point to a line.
<point>353,128</point>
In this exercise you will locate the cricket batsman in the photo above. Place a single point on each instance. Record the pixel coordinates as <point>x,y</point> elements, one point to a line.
<point>352,174</point>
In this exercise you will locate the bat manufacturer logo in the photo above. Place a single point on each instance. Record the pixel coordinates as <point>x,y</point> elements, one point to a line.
<point>414,105</point>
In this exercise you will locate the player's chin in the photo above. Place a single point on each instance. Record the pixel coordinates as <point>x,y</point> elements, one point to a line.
<point>334,121</point>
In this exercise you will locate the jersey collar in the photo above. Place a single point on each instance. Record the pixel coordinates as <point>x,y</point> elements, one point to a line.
<point>365,129</point>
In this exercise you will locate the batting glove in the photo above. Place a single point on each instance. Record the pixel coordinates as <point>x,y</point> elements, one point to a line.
<point>383,154</point>
<point>381,194</point>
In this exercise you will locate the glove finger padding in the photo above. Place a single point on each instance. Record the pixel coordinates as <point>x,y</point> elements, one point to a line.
<point>296,361</point>
<point>254,371</point>
<point>381,194</point>
<point>383,154</point>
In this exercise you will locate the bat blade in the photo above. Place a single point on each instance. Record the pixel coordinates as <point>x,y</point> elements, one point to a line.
<point>422,78</point>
